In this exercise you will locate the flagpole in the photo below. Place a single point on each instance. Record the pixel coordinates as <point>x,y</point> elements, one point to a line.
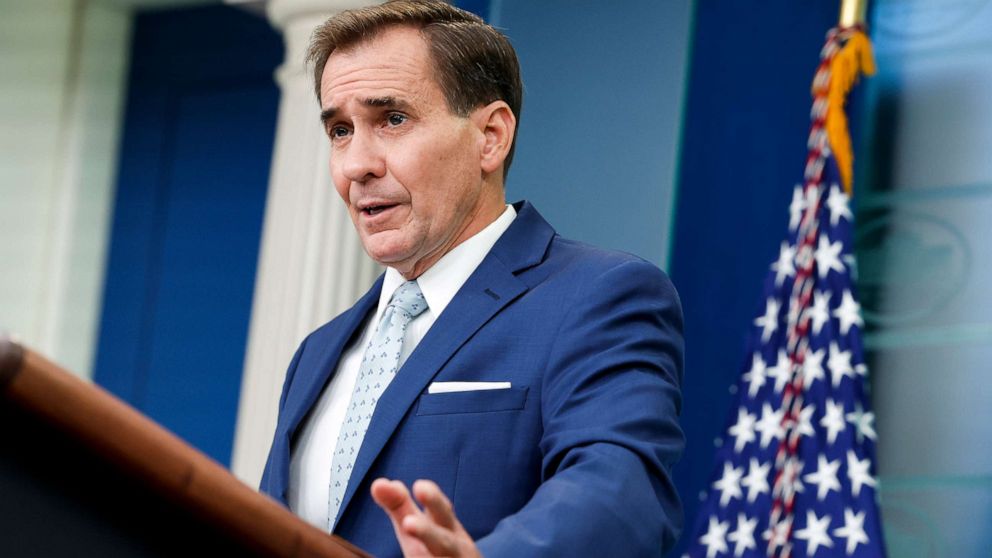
<point>852,12</point>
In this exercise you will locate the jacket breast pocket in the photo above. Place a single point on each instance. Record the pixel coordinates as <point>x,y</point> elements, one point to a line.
<point>479,401</point>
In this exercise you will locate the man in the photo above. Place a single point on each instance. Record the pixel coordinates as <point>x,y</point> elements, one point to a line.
<point>531,381</point>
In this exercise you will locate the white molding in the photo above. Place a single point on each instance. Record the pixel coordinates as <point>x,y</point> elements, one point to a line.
<point>282,12</point>
<point>63,111</point>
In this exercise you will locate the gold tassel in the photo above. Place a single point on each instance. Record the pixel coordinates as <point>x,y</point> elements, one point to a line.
<point>854,59</point>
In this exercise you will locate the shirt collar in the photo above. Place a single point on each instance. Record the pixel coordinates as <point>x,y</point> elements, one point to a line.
<point>442,281</point>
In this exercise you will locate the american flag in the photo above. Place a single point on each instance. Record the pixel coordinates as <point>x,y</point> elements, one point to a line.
<point>795,473</point>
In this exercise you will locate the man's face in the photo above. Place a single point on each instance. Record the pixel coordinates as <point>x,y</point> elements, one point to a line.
<point>407,168</point>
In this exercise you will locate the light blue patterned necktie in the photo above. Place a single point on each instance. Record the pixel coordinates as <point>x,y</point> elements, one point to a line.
<point>379,365</point>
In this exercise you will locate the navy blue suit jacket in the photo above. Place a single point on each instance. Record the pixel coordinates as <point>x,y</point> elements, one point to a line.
<point>576,458</point>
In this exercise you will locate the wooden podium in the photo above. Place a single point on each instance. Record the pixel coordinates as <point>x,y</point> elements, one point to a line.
<point>84,474</point>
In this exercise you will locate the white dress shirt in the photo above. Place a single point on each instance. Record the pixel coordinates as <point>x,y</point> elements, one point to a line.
<point>310,463</point>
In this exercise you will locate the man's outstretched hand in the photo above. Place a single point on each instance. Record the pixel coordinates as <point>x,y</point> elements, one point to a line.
<point>435,531</point>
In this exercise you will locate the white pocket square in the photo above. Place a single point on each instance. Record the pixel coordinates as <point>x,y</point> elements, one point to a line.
<point>451,387</point>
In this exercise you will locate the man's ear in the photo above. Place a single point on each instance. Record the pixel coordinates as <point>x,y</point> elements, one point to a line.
<point>498,126</point>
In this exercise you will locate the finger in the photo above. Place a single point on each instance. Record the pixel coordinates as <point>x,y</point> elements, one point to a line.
<point>436,504</point>
<point>393,497</point>
<point>438,540</point>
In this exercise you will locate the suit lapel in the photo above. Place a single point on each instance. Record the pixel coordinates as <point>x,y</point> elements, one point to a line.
<point>328,355</point>
<point>490,288</point>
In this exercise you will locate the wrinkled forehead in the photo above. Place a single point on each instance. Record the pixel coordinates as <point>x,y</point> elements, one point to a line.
<point>395,62</point>
<point>390,46</point>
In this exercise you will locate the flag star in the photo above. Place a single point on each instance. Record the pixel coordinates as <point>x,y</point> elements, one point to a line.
<point>848,313</point>
<point>729,484</point>
<point>828,256</point>
<point>837,203</point>
<point>839,364</point>
<point>853,530</point>
<point>833,420</point>
<point>715,539</point>
<point>755,377</point>
<point>863,422</point>
<point>769,321</point>
<point>797,207</point>
<point>743,536</point>
<point>825,477</point>
<point>805,424</point>
<point>756,481</point>
<point>743,430</point>
<point>820,311</point>
<point>857,472</point>
<point>815,533</point>
<point>770,424</point>
<point>785,265</point>
<point>782,371</point>
<point>812,367</point>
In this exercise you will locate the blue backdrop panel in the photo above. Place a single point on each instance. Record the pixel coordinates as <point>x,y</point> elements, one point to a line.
<point>743,151</point>
<point>597,143</point>
<point>194,169</point>
<point>478,7</point>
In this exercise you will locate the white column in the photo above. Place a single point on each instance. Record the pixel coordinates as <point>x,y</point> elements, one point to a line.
<point>311,265</point>
<point>63,68</point>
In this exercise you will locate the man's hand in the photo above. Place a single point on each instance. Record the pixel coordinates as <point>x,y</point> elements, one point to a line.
<point>435,531</point>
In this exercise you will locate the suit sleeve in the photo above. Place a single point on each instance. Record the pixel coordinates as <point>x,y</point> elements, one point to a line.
<point>610,405</point>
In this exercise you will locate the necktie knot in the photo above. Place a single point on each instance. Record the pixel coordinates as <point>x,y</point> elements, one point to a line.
<point>409,299</point>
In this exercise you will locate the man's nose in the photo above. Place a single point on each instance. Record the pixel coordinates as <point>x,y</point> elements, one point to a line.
<point>363,159</point>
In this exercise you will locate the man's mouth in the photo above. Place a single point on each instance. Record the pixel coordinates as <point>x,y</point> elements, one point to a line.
<point>376,209</point>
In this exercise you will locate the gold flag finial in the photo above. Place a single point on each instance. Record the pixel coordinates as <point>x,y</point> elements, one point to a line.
<point>852,12</point>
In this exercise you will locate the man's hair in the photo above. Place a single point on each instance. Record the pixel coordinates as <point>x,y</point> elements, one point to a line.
<point>473,63</point>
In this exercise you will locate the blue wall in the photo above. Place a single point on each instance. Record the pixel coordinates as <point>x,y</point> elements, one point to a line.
<point>192,183</point>
<point>597,143</point>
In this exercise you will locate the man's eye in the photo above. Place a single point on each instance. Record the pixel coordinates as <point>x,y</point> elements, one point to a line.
<point>395,119</point>
<point>337,132</point>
